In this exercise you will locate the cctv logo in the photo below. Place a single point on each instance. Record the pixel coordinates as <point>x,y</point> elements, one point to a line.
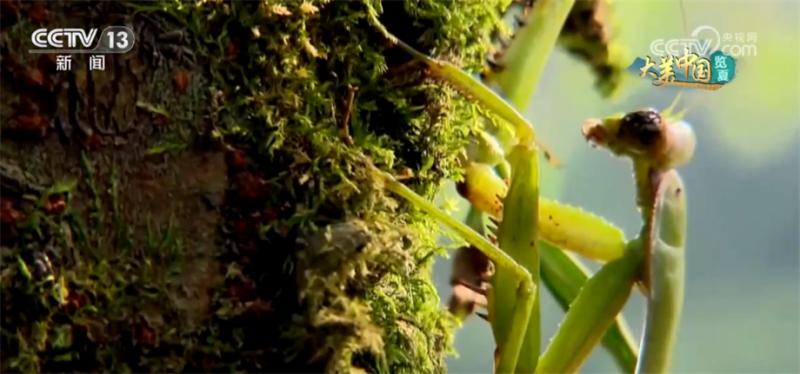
<point>113,39</point>
<point>64,38</point>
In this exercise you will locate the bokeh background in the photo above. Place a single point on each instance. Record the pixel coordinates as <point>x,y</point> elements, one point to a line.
<point>743,293</point>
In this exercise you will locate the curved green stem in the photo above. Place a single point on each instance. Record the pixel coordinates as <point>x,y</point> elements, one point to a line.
<point>473,88</point>
<point>517,236</point>
<point>592,312</point>
<point>564,277</point>
<point>524,61</point>
<point>668,268</point>
<point>521,279</point>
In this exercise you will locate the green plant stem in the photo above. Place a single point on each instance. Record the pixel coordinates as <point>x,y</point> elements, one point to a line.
<point>523,285</point>
<point>592,312</point>
<point>524,61</point>
<point>668,267</point>
<point>517,235</point>
<point>564,277</point>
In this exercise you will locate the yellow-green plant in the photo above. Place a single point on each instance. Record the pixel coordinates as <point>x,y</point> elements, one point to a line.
<point>532,232</point>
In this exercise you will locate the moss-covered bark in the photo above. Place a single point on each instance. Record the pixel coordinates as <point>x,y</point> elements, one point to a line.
<point>205,204</point>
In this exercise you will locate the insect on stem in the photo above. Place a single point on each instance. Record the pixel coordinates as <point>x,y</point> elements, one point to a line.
<point>497,256</point>
<point>469,86</point>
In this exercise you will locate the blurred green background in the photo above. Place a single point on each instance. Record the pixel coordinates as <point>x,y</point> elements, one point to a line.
<point>743,293</point>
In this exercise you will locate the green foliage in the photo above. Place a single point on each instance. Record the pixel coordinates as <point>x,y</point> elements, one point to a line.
<point>589,35</point>
<point>293,113</point>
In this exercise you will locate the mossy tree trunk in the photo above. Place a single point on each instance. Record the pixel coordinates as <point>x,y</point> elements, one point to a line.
<point>206,202</point>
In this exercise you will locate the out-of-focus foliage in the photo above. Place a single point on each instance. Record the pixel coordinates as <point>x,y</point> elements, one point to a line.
<point>742,274</point>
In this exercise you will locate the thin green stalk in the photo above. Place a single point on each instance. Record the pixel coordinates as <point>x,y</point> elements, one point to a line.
<point>565,277</point>
<point>591,313</point>
<point>522,285</point>
<point>499,257</point>
<point>524,61</point>
<point>517,235</point>
<point>668,268</point>
<point>472,87</point>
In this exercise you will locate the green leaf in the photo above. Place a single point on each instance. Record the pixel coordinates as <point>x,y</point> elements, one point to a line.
<point>62,187</point>
<point>526,57</point>
<point>564,277</point>
<point>152,108</point>
<point>591,313</point>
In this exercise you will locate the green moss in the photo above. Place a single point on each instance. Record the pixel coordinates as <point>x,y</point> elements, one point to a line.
<point>375,309</point>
